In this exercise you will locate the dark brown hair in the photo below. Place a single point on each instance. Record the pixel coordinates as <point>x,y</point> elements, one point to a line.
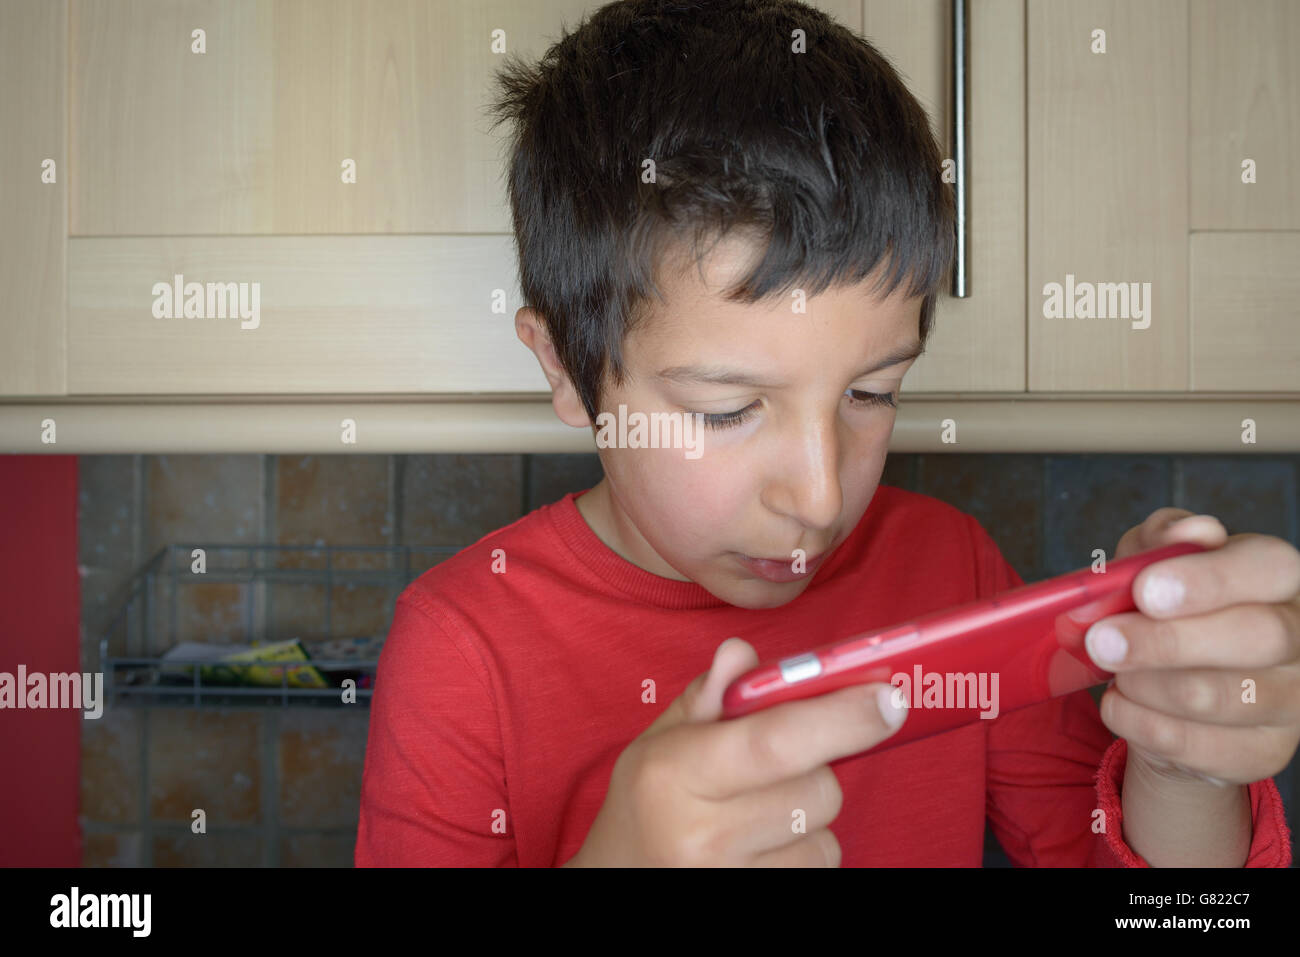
<point>824,154</point>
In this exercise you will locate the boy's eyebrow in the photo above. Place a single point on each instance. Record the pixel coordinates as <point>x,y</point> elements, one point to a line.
<point>720,375</point>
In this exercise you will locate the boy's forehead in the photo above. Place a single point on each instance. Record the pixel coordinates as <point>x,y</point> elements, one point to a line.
<point>693,308</point>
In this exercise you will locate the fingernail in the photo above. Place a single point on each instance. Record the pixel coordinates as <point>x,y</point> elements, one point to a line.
<point>1163,593</point>
<point>1106,645</point>
<point>892,705</point>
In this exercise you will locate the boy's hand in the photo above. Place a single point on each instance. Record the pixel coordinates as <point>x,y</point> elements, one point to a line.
<point>695,791</point>
<point>1208,687</point>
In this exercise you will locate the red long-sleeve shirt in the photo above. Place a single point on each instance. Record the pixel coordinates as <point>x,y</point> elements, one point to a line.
<point>503,698</point>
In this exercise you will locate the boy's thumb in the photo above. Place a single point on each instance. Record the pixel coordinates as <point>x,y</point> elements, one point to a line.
<point>702,698</point>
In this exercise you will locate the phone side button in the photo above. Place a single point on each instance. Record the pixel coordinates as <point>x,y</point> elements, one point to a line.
<point>859,651</point>
<point>801,668</point>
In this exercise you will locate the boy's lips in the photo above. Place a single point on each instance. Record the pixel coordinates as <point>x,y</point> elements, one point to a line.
<point>781,569</point>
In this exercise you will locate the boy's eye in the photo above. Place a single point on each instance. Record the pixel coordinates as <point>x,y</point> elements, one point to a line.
<point>858,397</point>
<point>725,420</point>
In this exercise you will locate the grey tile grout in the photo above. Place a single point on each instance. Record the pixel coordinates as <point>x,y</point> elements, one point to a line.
<point>396,499</point>
<point>137,536</point>
<point>1044,474</point>
<point>146,824</point>
<point>270,528</point>
<point>270,854</point>
<point>138,481</point>
<point>270,733</point>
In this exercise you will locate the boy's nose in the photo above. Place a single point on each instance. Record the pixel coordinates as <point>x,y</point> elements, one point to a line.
<point>807,488</point>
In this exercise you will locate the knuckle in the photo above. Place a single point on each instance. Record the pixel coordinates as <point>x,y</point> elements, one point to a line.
<point>714,836</point>
<point>1167,735</point>
<point>695,845</point>
<point>718,843</point>
<point>1199,695</point>
<point>760,746</point>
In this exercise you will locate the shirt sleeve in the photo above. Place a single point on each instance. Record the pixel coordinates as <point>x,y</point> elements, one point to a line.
<point>1055,774</point>
<point>433,791</point>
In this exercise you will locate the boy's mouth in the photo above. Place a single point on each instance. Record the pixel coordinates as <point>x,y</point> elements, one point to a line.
<point>781,569</point>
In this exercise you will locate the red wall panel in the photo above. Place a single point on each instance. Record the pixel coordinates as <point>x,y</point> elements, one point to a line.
<point>40,613</point>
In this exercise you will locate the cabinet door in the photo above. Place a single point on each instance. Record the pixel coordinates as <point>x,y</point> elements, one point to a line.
<point>1245,200</point>
<point>33,196</point>
<point>978,343</point>
<point>231,168</point>
<point>1108,213</point>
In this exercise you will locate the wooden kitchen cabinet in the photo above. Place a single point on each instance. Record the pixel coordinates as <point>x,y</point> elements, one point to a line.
<point>1135,177</point>
<point>227,168</point>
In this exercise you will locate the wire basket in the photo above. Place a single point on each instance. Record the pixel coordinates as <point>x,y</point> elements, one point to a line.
<point>257,594</point>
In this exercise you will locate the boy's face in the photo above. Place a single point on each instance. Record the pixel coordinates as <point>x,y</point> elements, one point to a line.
<point>796,471</point>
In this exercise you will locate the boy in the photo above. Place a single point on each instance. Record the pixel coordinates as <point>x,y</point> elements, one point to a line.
<point>714,222</point>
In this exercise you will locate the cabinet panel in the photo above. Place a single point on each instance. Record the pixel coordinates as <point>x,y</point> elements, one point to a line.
<point>324,314</point>
<point>163,140</point>
<point>33,212</point>
<point>978,343</point>
<point>250,136</point>
<point>1245,105</point>
<point>1245,296</point>
<point>1108,194</point>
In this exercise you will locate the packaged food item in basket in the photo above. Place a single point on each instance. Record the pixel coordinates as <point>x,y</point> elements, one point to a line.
<point>259,665</point>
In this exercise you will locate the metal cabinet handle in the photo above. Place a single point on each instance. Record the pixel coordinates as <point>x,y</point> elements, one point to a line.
<point>961,143</point>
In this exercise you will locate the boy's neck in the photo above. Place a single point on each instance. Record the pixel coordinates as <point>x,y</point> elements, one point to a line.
<point>608,523</point>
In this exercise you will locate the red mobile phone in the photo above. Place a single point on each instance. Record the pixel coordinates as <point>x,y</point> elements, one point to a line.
<point>953,667</point>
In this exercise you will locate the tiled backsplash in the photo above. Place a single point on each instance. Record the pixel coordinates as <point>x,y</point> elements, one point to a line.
<point>280,787</point>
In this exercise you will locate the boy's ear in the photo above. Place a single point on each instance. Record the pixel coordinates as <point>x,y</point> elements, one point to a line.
<point>564,397</point>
